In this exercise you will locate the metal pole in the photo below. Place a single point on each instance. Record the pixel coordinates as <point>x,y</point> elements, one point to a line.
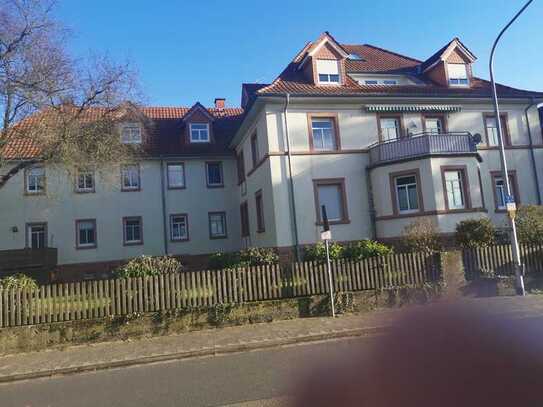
<point>505,175</point>
<point>330,279</point>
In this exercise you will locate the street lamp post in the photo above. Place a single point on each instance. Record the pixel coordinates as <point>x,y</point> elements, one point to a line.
<point>511,206</point>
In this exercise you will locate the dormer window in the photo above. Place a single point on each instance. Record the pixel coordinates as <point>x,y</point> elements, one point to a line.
<point>328,71</point>
<point>458,74</point>
<point>199,132</point>
<point>131,133</point>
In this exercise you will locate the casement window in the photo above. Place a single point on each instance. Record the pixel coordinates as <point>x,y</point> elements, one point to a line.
<point>36,235</point>
<point>176,175</point>
<point>244,216</point>
<point>390,82</point>
<point>217,225</point>
<point>458,74</point>
<point>254,150</point>
<point>371,82</point>
<point>179,228</point>
<point>390,128</point>
<point>407,193</point>
<point>323,133</point>
<point>260,224</point>
<point>240,161</point>
<point>500,191</point>
<point>85,230</point>
<point>199,132</point>
<point>84,181</point>
<point>214,175</point>
<point>132,231</point>
<point>131,133</point>
<point>491,129</point>
<point>434,125</point>
<point>455,189</point>
<point>331,194</point>
<point>130,177</point>
<point>35,180</point>
<point>328,71</point>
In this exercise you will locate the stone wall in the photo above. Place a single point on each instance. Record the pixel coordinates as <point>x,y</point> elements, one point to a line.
<point>39,337</point>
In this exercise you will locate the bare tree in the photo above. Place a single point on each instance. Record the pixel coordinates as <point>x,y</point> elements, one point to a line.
<point>62,110</point>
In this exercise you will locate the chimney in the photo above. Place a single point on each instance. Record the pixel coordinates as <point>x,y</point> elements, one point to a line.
<point>219,103</point>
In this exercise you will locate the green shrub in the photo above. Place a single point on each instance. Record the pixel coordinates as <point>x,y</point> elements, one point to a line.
<point>364,249</point>
<point>254,256</point>
<point>143,266</point>
<point>18,281</point>
<point>529,222</point>
<point>317,252</point>
<point>220,260</point>
<point>421,236</point>
<point>472,233</point>
<point>259,256</point>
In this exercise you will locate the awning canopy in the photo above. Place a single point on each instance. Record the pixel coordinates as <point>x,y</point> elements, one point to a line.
<point>413,108</point>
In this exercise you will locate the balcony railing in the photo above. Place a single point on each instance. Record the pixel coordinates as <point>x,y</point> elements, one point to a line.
<point>422,144</point>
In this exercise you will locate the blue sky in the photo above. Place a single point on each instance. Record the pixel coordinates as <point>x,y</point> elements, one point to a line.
<point>188,51</point>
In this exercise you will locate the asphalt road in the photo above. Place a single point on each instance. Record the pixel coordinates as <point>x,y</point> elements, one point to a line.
<point>256,378</point>
<point>250,379</point>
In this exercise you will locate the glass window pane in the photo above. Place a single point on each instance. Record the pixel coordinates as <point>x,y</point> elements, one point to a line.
<point>323,134</point>
<point>214,174</point>
<point>413,197</point>
<point>176,175</point>
<point>390,129</point>
<point>330,196</point>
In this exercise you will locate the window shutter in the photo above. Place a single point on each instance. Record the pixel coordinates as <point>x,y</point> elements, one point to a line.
<point>326,66</point>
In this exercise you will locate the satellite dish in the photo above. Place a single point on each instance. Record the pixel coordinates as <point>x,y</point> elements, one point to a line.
<point>477,138</point>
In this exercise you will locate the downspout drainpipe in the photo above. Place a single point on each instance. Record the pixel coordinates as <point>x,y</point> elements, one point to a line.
<point>163,197</point>
<point>291,181</point>
<point>532,154</point>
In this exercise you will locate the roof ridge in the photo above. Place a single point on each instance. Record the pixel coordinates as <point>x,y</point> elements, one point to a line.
<point>391,52</point>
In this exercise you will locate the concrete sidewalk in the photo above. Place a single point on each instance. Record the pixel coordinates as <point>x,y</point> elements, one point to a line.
<point>199,343</point>
<point>231,339</point>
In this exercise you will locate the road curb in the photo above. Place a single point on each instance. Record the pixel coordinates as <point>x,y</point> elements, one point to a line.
<point>211,351</point>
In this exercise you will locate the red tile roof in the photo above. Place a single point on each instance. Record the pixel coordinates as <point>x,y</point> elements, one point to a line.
<point>373,59</point>
<point>166,134</point>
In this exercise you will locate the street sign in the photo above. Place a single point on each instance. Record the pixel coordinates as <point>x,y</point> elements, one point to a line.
<point>326,235</point>
<point>511,206</point>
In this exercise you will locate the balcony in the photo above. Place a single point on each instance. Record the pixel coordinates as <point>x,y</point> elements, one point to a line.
<point>422,144</point>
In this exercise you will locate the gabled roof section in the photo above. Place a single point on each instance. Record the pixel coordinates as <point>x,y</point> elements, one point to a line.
<point>378,60</point>
<point>165,131</point>
<point>198,107</point>
<point>311,48</point>
<point>443,53</point>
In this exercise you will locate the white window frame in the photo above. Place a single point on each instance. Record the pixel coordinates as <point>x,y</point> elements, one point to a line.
<point>455,77</point>
<point>385,130</point>
<point>132,176</point>
<point>179,238</point>
<point>85,173</point>
<point>327,74</point>
<point>406,188</point>
<point>317,132</point>
<point>126,226</point>
<point>172,185</point>
<point>35,182</point>
<point>492,131</point>
<point>199,132</point>
<point>455,189</point>
<point>222,220</point>
<point>78,229</point>
<point>440,126</point>
<point>214,184</point>
<point>131,133</point>
<point>30,232</point>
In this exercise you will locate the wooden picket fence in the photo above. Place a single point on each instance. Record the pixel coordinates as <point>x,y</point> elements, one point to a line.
<point>103,298</point>
<point>498,259</point>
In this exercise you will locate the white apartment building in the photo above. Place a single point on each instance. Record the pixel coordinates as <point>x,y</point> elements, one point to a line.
<point>379,138</point>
